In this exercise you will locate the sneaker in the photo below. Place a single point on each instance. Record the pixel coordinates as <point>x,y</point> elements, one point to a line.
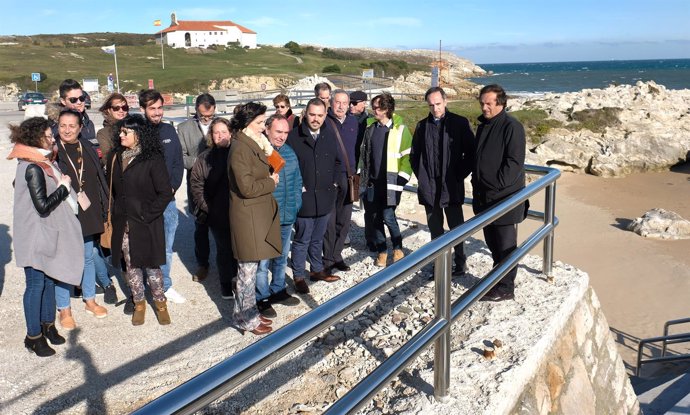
<point>200,274</point>
<point>266,309</point>
<point>282,297</point>
<point>174,297</point>
<point>99,290</point>
<point>91,307</point>
<point>110,295</point>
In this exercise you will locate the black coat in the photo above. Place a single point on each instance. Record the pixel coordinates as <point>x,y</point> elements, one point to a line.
<point>140,196</point>
<point>458,148</point>
<point>320,164</point>
<point>211,188</point>
<point>499,170</point>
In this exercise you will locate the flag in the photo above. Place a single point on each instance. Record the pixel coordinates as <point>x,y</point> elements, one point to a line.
<point>156,22</point>
<point>108,49</point>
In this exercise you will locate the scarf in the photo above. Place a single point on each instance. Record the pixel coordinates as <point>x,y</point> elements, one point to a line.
<point>129,154</point>
<point>260,140</point>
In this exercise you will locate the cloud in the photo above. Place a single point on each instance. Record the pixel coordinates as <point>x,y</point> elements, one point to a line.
<point>266,22</point>
<point>395,21</point>
<point>203,13</point>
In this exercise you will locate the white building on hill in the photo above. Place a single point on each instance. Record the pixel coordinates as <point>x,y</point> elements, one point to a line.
<point>204,33</point>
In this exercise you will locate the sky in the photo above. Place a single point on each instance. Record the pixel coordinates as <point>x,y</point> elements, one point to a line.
<point>483,31</point>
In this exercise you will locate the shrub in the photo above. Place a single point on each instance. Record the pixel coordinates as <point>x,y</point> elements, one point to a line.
<point>537,124</point>
<point>294,48</point>
<point>331,69</point>
<point>595,120</point>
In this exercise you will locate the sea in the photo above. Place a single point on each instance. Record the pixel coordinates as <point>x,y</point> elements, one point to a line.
<point>539,78</point>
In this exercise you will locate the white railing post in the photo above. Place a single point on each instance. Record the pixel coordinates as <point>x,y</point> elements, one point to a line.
<point>442,274</point>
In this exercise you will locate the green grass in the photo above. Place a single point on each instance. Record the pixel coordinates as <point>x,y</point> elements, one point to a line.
<point>536,122</point>
<point>61,56</point>
<point>595,120</point>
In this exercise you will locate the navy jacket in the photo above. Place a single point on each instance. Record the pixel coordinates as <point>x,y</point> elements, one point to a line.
<point>320,165</point>
<point>173,153</point>
<point>348,132</point>
<point>457,150</point>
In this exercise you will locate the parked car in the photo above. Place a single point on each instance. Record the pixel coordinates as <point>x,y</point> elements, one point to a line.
<point>30,98</point>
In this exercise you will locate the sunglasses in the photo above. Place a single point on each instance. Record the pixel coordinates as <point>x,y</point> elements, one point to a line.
<point>74,100</point>
<point>117,108</point>
<point>281,106</point>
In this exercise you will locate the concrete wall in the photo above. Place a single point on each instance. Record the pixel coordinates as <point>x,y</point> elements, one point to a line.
<point>583,372</point>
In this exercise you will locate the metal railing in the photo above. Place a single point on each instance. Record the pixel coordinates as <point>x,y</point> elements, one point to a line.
<point>212,384</point>
<point>666,339</point>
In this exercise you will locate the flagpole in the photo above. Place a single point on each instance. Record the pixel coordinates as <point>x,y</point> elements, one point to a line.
<point>117,76</point>
<point>162,55</point>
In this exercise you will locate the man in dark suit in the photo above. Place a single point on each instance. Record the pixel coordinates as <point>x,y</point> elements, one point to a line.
<point>320,165</point>
<point>499,172</point>
<point>442,156</point>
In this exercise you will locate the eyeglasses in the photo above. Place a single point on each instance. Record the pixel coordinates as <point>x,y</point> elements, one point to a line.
<point>126,131</point>
<point>206,118</point>
<point>117,108</point>
<point>281,106</point>
<point>74,100</point>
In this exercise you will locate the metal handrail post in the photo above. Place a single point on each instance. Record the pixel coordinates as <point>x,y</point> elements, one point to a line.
<point>442,273</point>
<point>549,213</point>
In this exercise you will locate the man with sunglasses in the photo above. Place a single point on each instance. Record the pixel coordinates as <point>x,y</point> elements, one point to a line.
<point>193,134</point>
<point>72,97</point>
<point>151,104</point>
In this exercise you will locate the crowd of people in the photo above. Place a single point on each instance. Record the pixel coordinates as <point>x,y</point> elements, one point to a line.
<point>274,192</point>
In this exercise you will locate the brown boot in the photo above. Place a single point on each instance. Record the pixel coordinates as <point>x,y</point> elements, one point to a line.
<point>381,259</point>
<point>161,308</point>
<point>139,313</point>
<point>397,255</point>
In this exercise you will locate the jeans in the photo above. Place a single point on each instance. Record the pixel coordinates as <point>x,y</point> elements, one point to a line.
<point>88,279</point>
<point>380,214</point>
<point>225,259</point>
<point>308,241</point>
<point>170,220</point>
<point>100,263</point>
<point>277,265</point>
<point>39,300</point>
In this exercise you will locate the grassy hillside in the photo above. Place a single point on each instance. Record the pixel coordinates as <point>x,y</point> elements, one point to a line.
<point>79,56</point>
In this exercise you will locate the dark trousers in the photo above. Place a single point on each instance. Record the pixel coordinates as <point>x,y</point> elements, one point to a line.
<point>308,242</point>
<point>454,217</point>
<point>225,259</point>
<point>202,249</point>
<point>502,240</point>
<point>338,227</point>
<point>376,214</point>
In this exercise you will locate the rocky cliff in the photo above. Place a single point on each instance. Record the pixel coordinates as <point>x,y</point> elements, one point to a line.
<point>648,129</point>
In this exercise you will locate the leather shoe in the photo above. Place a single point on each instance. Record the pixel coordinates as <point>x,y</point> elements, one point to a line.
<point>265,321</point>
<point>322,276</point>
<point>261,329</point>
<point>460,270</point>
<point>301,286</point>
<point>341,266</point>
<point>497,295</point>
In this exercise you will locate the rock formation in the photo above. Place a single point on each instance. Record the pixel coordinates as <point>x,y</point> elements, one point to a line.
<point>661,224</point>
<point>652,132</point>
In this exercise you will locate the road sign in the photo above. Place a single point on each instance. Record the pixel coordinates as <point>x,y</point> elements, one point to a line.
<point>368,73</point>
<point>35,77</point>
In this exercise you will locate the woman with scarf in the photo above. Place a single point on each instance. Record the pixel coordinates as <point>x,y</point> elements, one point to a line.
<point>114,109</point>
<point>254,219</point>
<point>141,192</point>
<point>47,235</point>
<point>281,102</point>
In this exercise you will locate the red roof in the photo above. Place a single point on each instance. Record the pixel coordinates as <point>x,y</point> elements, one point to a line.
<point>203,26</point>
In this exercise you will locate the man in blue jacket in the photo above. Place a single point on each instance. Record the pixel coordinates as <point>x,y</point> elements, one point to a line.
<point>151,103</point>
<point>319,163</point>
<point>288,194</point>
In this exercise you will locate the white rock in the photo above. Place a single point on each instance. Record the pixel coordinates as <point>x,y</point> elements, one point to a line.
<point>661,224</point>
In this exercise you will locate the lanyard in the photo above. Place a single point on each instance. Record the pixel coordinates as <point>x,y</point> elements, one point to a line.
<point>79,173</point>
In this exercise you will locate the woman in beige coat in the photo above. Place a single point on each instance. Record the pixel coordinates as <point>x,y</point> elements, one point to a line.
<point>254,218</point>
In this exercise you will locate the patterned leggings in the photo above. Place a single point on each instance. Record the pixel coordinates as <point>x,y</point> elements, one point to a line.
<point>135,276</point>
<point>245,313</point>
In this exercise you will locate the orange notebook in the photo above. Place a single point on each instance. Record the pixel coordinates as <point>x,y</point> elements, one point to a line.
<point>276,161</point>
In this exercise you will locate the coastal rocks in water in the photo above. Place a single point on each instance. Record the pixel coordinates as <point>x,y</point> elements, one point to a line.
<point>651,133</point>
<point>661,224</point>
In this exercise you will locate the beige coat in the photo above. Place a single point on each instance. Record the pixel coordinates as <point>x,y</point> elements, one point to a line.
<point>254,218</point>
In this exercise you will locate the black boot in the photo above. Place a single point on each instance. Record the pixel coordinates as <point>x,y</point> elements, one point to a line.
<point>39,346</point>
<point>50,332</point>
<point>129,306</point>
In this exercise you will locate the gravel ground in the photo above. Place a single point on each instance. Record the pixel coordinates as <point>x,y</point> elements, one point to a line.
<point>109,366</point>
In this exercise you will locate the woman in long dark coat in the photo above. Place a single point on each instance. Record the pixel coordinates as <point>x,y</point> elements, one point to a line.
<point>254,219</point>
<point>141,191</point>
